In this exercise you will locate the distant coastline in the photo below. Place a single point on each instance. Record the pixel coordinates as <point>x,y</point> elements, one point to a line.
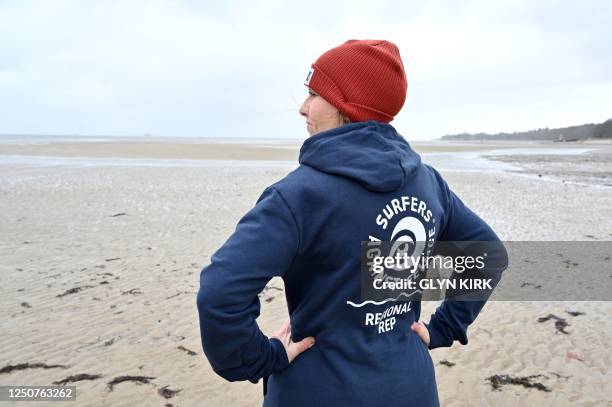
<point>563,134</point>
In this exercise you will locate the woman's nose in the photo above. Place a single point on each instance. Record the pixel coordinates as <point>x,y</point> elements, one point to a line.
<point>304,108</point>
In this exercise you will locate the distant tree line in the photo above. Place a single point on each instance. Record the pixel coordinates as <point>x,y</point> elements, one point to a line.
<point>602,130</point>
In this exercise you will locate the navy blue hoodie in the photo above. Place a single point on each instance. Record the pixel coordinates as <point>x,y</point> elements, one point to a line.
<point>355,183</point>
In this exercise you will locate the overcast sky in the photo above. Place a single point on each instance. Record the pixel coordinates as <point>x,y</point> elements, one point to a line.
<point>236,68</point>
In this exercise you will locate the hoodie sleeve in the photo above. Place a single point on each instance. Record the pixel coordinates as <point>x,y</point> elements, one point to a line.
<point>451,319</point>
<point>263,246</point>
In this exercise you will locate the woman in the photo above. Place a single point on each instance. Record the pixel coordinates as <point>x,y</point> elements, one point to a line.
<point>358,180</point>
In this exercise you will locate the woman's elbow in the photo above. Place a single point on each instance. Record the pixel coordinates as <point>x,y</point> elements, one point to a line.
<point>209,301</point>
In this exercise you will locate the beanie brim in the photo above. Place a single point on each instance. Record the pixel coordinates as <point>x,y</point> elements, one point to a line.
<point>322,85</point>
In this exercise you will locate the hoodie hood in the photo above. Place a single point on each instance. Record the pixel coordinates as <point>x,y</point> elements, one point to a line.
<point>370,152</point>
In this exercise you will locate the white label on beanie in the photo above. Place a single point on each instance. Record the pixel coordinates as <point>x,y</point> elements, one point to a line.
<point>309,76</point>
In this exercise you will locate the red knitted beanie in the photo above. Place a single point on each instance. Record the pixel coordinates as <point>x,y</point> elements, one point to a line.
<point>364,79</point>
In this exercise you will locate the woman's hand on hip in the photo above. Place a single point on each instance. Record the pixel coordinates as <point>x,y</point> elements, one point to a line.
<point>421,330</point>
<point>293,349</point>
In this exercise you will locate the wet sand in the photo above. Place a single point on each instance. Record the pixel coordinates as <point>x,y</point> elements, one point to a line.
<point>100,268</point>
<point>197,148</point>
<point>591,167</point>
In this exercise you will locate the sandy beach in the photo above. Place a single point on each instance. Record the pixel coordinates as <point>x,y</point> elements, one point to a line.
<point>101,261</point>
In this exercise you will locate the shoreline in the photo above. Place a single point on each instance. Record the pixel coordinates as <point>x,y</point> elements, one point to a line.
<point>213,149</point>
<point>573,163</point>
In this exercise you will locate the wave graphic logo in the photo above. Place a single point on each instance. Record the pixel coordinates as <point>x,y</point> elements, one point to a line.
<point>408,238</point>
